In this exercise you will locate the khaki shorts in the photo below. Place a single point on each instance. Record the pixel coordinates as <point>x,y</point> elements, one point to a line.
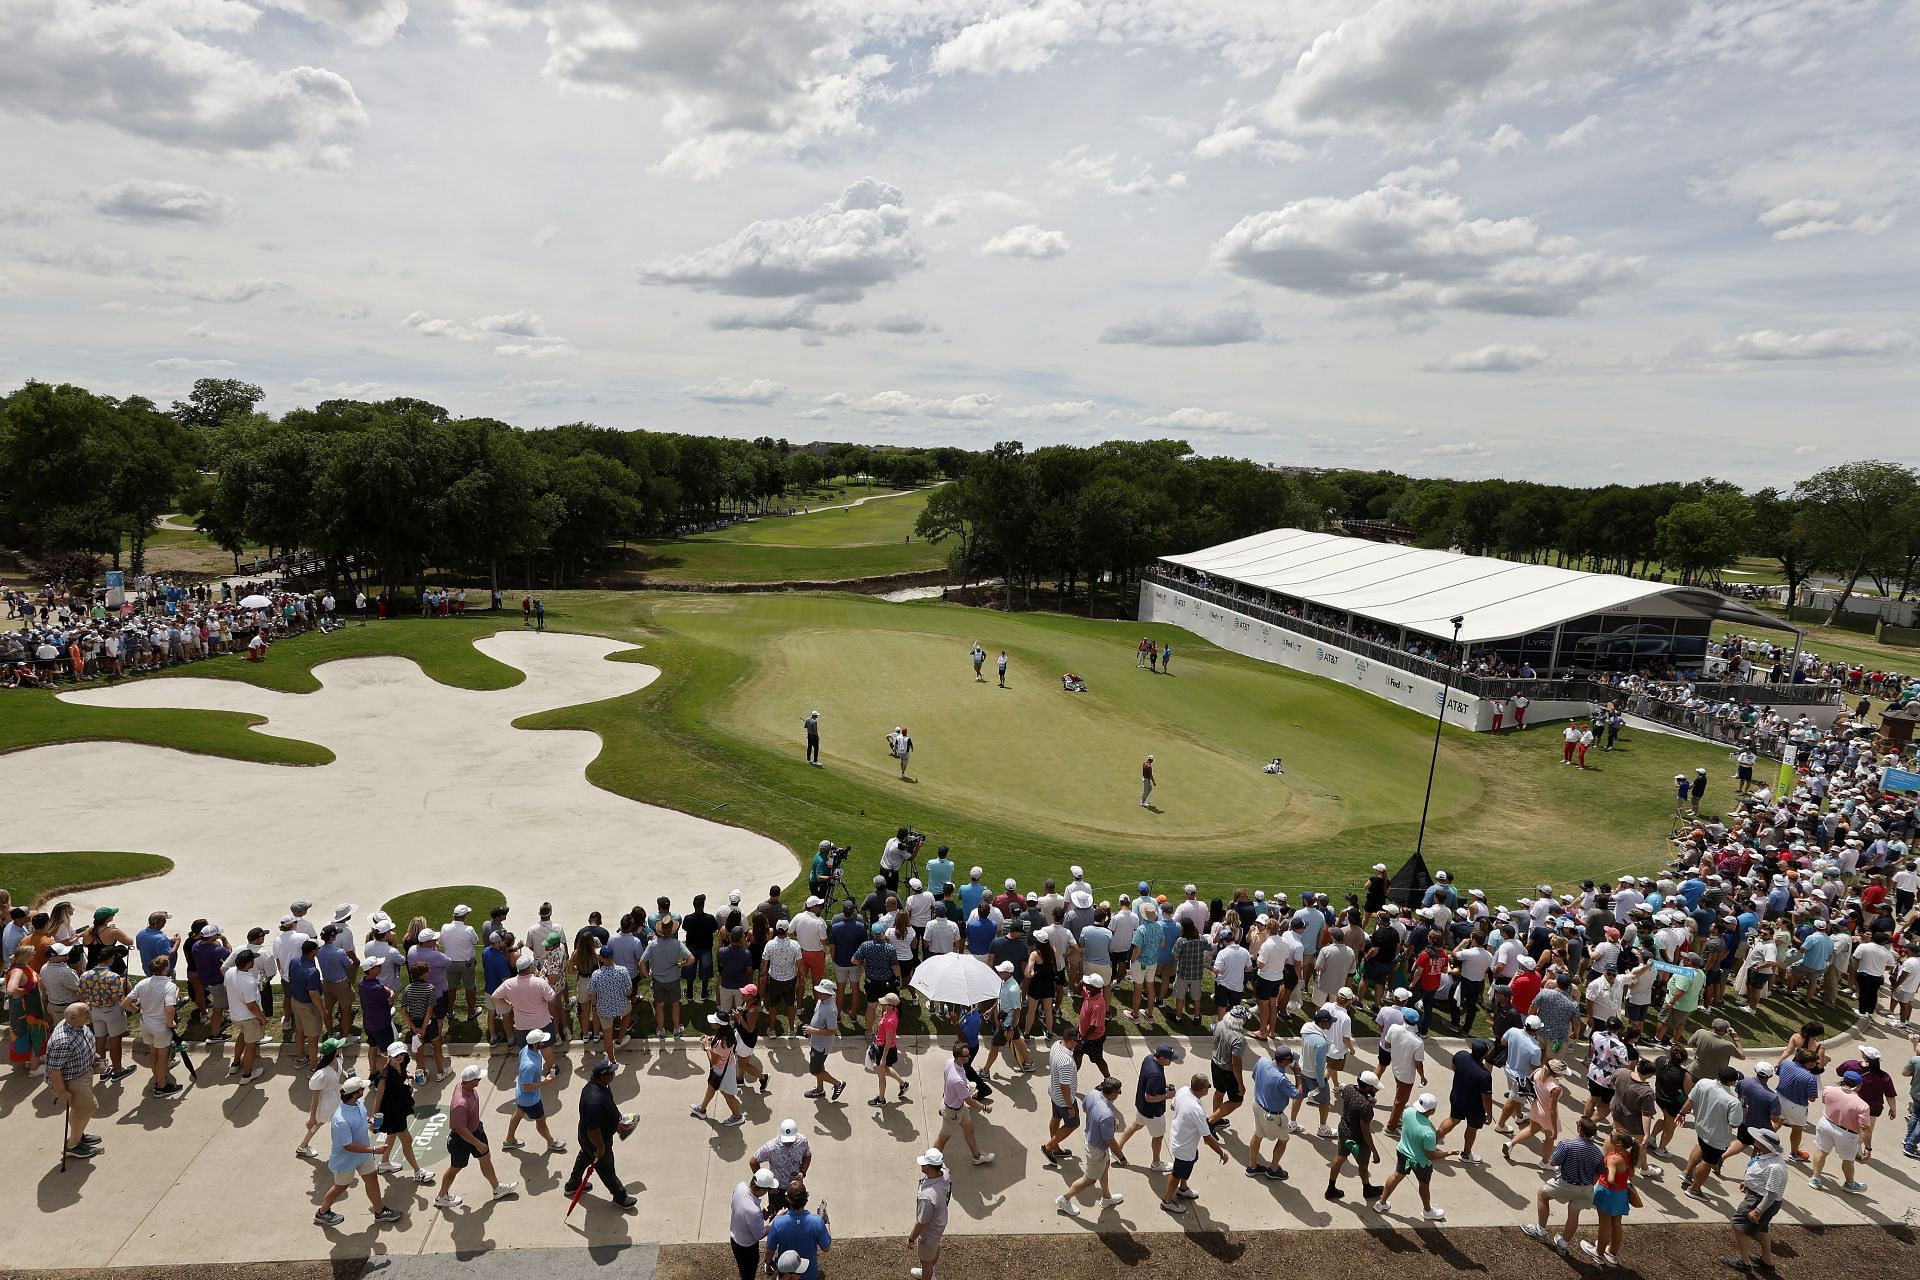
<point>727,1001</point>
<point>1156,1126</point>
<point>1105,970</point>
<point>1097,1163</point>
<point>1793,1113</point>
<point>249,1030</point>
<point>306,1017</point>
<point>1567,1192</point>
<point>111,1021</point>
<point>952,1120</point>
<point>1269,1126</point>
<point>929,1246</point>
<point>155,1037</point>
<point>360,1170</point>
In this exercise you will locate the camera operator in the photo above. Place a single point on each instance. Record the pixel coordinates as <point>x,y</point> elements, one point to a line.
<point>827,861</point>
<point>903,848</point>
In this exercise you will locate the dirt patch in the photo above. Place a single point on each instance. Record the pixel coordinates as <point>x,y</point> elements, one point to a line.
<point>1668,1252</point>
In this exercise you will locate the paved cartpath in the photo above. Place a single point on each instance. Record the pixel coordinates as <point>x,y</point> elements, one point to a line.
<point>211,1176</point>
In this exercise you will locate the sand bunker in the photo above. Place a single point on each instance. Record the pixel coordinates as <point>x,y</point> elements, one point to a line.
<point>431,786</point>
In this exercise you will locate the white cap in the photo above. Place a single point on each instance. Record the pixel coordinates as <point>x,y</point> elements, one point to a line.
<point>537,1037</point>
<point>351,1085</point>
<point>1011,884</point>
<point>1344,993</point>
<point>812,902</point>
<point>462,910</point>
<point>397,1048</point>
<point>914,884</point>
<point>933,1159</point>
<point>1077,872</point>
<point>789,1132</point>
<point>427,935</point>
<point>734,897</point>
<point>1095,981</point>
<point>1379,866</point>
<point>1005,967</point>
<point>287,920</point>
<point>791,1263</point>
<point>1369,1079</point>
<point>525,963</point>
<point>472,1073</point>
<point>1533,1022</point>
<point>765,1178</point>
<point>210,931</point>
<point>974,873</point>
<point>781,926</point>
<point>373,962</point>
<point>1425,1104</point>
<point>1528,964</point>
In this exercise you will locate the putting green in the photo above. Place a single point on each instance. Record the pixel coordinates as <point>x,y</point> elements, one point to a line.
<point>1068,764</point>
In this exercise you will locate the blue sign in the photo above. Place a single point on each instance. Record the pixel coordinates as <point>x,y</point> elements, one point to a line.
<point>116,580</point>
<point>1900,780</point>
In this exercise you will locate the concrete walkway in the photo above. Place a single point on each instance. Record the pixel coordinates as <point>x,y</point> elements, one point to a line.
<point>211,1176</point>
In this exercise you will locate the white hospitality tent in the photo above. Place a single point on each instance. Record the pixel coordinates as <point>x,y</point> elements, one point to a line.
<point>1535,613</point>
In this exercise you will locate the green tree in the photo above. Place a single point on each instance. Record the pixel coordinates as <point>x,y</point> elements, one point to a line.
<point>1848,517</point>
<point>215,402</point>
<point>1699,539</point>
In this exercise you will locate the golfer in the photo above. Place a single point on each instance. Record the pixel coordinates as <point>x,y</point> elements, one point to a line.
<point>812,723</point>
<point>1003,668</point>
<point>1146,782</point>
<point>901,744</point>
<point>979,657</point>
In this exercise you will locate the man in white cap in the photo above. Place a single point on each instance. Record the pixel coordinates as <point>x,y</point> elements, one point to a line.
<point>823,1028</point>
<point>747,1221</point>
<point>460,942</point>
<point>535,1075</point>
<point>354,1156</point>
<point>1419,1148</point>
<point>469,1140</point>
<point>930,1201</point>
<point>788,1155</point>
<point>810,931</point>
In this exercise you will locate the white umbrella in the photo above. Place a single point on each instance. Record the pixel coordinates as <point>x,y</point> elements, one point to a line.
<point>256,602</point>
<point>956,979</point>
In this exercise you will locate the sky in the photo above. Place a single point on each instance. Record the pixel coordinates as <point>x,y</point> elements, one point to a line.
<point>1575,241</point>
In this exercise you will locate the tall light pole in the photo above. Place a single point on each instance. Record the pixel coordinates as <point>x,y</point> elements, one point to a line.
<point>1446,687</point>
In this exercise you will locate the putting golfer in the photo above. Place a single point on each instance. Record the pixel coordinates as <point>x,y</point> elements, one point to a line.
<point>1146,782</point>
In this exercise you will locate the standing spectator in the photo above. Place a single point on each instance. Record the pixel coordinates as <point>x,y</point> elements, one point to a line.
<point>931,1198</point>
<point>1063,1091</point>
<point>303,999</point>
<point>800,1233</point>
<point>70,1063</point>
<point>461,943</point>
<point>529,996</point>
<point>1613,1195</point>
<point>103,989</point>
<point>599,1125</point>
<point>610,992</point>
<point>1187,1129</point>
<point>1276,1083</point>
<point>747,1222</point>
<point>469,1141</point>
<point>155,998</point>
<point>249,1019</point>
<point>1103,1150</point>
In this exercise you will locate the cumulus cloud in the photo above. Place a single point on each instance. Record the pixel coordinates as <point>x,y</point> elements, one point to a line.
<point>735,79</point>
<point>1416,249</point>
<point>897,404</point>
<point>335,390</point>
<point>1839,183</point>
<point>1822,344</point>
<point>1403,64</point>
<point>904,323</point>
<point>833,254</point>
<point>1229,140</point>
<point>734,391</point>
<point>136,200</point>
<point>1021,40</point>
<point>153,70</point>
<point>364,21</point>
<point>1458,449</point>
<point>1505,138</point>
<point>517,334</point>
<point>801,317</point>
<point>1207,421</point>
<point>1083,166</point>
<point>185,364</point>
<point>1169,328</point>
<point>813,415</point>
<point>1801,218</point>
<point>1420,175</point>
<point>1058,411</point>
<point>244,291</point>
<point>956,205</point>
<point>1497,357</point>
<point>1026,241</point>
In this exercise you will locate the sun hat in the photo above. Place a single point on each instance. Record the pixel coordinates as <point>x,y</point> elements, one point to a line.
<point>344,912</point>
<point>716,1020</point>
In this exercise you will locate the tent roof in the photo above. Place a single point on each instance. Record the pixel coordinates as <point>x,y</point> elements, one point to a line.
<point>1423,590</point>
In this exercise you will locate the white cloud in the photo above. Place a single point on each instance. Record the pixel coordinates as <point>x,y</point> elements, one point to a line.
<point>136,200</point>
<point>1497,357</point>
<point>814,415</point>
<point>537,350</point>
<point>833,254</point>
<point>956,205</point>
<point>1458,449</point>
<point>102,260</point>
<point>1505,138</point>
<point>904,323</point>
<point>528,330</point>
<point>734,391</point>
<point>333,391</point>
<point>966,408</point>
<point>365,21</point>
<point>185,364</point>
<point>1208,421</point>
<point>1414,249</point>
<point>1026,241</point>
<point>834,398</point>
<point>1021,40</point>
<point>143,308</point>
<point>801,317</point>
<point>1084,166</point>
<point>145,70</point>
<point>897,404</point>
<point>889,403</point>
<point>1403,65</point>
<point>244,291</point>
<point>1822,344</point>
<point>1059,411</point>
<point>1168,328</point>
<point>1845,182</point>
<point>1229,140</point>
<point>1575,135</point>
<point>207,333</point>
<point>1420,175</point>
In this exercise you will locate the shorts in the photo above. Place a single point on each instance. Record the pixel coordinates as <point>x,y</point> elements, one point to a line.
<point>1832,1139</point>
<point>875,989</point>
<point>1748,1203</point>
<point>109,1021</point>
<point>362,1168</point>
<point>1155,1126</point>
<point>1266,988</point>
<point>459,975</point>
<point>1314,1090</point>
<point>727,999</point>
<point>306,1017</point>
<point>1097,1162</point>
<point>1223,1081</point>
<point>1103,968</point>
<point>1140,972</point>
<point>1793,1114</point>
<point>458,1152</point>
<point>535,1110</point>
<point>1069,1114</point>
<point>1564,1192</point>
<point>1604,1092</point>
<point>816,1062</point>
<point>1226,997</point>
<point>217,997</point>
<point>813,964</point>
<point>1637,1012</point>
<point>1270,1125</point>
<point>1611,1202</point>
<point>341,992</point>
<point>1520,1087</point>
<point>1183,1169</point>
<point>249,1030</point>
<point>952,1120</point>
<point>928,1246</point>
<point>884,1057</point>
<point>845,975</point>
<point>667,991</point>
<point>780,991</point>
<point>1186,989</point>
<point>1472,1113</point>
<point>1422,1173</point>
<point>1712,1155</point>
<point>1375,973</point>
<point>155,1037</point>
<point>726,1080</point>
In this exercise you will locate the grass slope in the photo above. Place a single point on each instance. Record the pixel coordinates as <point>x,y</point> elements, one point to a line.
<point>34,879</point>
<point>437,904</point>
<point>821,546</point>
<point>37,718</point>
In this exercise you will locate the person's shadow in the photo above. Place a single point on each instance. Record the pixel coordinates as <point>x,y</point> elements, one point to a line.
<point>1150,807</point>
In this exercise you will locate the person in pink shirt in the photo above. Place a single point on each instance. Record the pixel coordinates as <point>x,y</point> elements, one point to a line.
<point>884,1052</point>
<point>1840,1129</point>
<point>1093,1023</point>
<point>530,997</point>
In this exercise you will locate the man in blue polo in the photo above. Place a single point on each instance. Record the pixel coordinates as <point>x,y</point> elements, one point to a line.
<point>805,1233</point>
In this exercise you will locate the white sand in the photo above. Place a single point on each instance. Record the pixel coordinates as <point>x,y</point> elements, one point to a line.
<point>430,786</point>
